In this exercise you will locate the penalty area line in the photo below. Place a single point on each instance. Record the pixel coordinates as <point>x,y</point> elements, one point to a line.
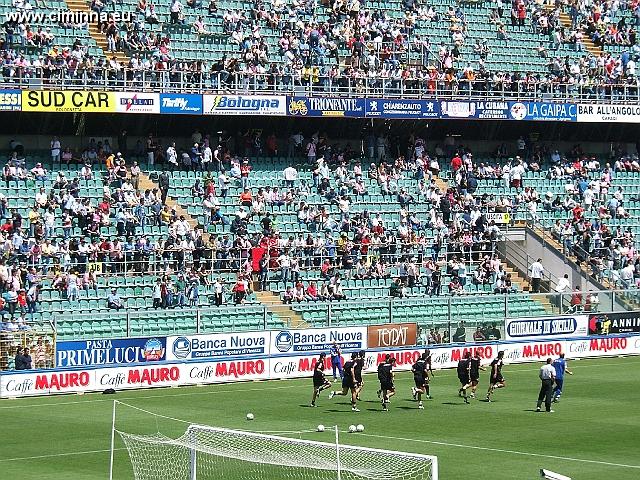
<point>500,450</point>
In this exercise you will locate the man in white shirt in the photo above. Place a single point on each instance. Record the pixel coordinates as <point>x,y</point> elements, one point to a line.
<point>536,270</point>
<point>290,176</point>
<point>547,377</point>
<point>207,158</point>
<point>55,150</point>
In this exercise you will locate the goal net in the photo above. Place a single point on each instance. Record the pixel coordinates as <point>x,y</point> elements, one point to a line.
<point>208,453</point>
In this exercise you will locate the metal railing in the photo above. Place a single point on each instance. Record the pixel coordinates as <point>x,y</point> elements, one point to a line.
<point>241,83</point>
<point>427,311</point>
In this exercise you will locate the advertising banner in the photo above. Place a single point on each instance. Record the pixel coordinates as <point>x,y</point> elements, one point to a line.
<point>128,102</point>
<point>479,110</point>
<point>540,111</point>
<point>387,108</point>
<point>567,326</point>
<point>244,105</point>
<point>325,107</point>
<point>177,103</point>
<point>194,347</point>
<point>617,322</point>
<point>11,100</point>
<point>71,380</point>
<point>499,218</point>
<point>392,335</point>
<point>596,112</point>
<point>317,340</point>
<point>110,352</point>
<point>68,101</point>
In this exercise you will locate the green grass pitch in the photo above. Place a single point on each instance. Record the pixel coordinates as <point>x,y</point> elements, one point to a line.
<point>594,433</point>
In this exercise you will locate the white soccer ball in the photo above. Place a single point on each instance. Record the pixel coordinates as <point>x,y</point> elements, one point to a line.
<point>250,416</point>
<point>360,427</point>
<point>352,429</point>
<point>321,428</point>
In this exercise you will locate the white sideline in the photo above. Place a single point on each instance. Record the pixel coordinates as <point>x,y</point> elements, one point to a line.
<point>145,397</point>
<point>52,455</point>
<point>499,450</point>
<point>213,392</point>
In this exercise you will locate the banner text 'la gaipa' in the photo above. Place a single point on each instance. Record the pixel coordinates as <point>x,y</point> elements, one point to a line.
<point>79,101</point>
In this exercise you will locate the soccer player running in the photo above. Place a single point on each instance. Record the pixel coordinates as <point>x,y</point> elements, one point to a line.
<point>496,380</point>
<point>385,375</point>
<point>348,382</point>
<point>420,375</point>
<point>463,369</point>
<point>474,372</point>
<point>357,369</point>
<point>560,364</point>
<point>429,369</point>
<point>320,382</point>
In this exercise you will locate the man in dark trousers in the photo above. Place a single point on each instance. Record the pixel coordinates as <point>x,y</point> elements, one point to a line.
<point>163,183</point>
<point>547,377</point>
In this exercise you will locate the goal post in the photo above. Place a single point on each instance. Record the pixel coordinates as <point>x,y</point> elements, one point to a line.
<point>208,453</point>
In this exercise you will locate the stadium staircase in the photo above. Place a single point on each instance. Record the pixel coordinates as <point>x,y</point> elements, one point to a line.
<point>97,35</point>
<point>285,312</point>
<point>147,183</point>
<point>565,20</point>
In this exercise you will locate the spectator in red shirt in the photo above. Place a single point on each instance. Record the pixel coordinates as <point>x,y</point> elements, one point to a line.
<point>456,163</point>
<point>245,168</point>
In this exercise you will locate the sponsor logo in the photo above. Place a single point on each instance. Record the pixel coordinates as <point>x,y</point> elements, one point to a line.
<point>153,350</point>
<point>10,100</point>
<point>244,105</point>
<point>608,344</point>
<point>284,341</point>
<point>539,350</point>
<point>67,101</point>
<point>181,347</point>
<point>110,352</point>
<point>60,381</point>
<point>173,103</point>
<point>326,107</point>
<point>138,102</point>
<point>219,345</point>
<point>392,335</point>
<point>518,111</point>
<point>152,376</point>
<point>298,107</point>
<point>458,109</point>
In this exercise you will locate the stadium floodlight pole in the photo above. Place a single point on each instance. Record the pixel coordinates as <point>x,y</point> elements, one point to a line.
<point>113,439</point>
<point>338,454</point>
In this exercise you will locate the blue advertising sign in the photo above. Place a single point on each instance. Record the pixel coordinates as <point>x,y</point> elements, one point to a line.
<point>180,103</point>
<point>11,100</point>
<point>120,351</point>
<point>227,345</point>
<point>557,112</point>
<point>389,108</point>
<point>325,107</point>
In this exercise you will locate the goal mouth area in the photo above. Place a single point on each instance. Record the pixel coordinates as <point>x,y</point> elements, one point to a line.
<point>259,448</point>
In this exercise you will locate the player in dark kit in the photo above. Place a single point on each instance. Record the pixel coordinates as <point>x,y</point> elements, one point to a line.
<point>429,369</point>
<point>357,370</point>
<point>320,382</point>
<point>385,375</point>
<point>420,375</point>
<point>496,380</point>
<point>348,382</point>
<point>474,373</point>
<point>464,366</point>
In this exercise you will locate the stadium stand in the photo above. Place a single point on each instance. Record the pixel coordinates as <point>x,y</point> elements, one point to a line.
<point>369,47</point>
